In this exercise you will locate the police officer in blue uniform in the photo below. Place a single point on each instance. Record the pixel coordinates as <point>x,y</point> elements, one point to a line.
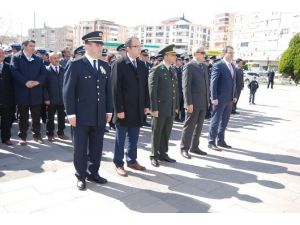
<point>87,98</point>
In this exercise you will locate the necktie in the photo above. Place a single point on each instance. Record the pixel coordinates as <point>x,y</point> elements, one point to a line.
<point>56,70</point>
<point>134,63</point>
<point>170,71</point>
<point>95,65</point>
<point>231,69</point>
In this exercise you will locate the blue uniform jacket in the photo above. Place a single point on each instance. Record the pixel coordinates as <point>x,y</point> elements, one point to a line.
<point>87,93</point>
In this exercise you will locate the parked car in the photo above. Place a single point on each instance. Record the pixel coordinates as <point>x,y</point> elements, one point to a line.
<point>248,77</point>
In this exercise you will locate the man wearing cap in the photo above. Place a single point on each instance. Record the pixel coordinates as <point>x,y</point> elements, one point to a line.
<point>29,75</point>
<point>145,59</point>
<point>223,95</point>
<point>78,53</point>
<point>196,99</point>
<point>163,89</point>
<point>122,50</point>
<point>131,103</point>
<point>87,100</point>
<point>180,116</point>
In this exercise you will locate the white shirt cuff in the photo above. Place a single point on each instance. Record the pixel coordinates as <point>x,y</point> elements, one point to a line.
<point>71,116</point>
<point>109,114</point>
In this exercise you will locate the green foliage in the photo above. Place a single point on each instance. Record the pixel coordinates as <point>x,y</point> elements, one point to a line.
<point>289,64</point>
<point>297,65</point>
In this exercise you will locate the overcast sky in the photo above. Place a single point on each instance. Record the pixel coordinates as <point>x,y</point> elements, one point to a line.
<point>18,14</point>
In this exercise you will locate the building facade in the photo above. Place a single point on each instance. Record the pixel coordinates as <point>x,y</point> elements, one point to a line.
<point>54,39</point>
<point>179,31</point>
<point>112,32</point>
<point>261,38</point>
<point>222,31</point>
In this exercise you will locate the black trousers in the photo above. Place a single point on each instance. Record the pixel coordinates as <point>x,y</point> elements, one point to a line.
<point>88,143</point>
<point>234,104</point>
<point>6,114</point>
<point>51,111</point>
<point>270,82</point>
<point>35,111</point>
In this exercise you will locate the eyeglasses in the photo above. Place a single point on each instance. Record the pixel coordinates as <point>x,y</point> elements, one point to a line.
<point>135,46</point>
<point>201,53</point>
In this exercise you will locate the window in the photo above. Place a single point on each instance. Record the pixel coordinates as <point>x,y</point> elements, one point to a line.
<point>244,44</point>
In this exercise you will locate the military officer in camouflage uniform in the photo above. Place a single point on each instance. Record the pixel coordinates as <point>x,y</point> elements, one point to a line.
<point>164,102</point>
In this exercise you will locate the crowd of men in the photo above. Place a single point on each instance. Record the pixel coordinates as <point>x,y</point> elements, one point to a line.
<point>95,87</point>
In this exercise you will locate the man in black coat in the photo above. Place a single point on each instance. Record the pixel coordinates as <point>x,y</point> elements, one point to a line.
<point>180,116</point>
<point>53,97</point>
<point>131,103</point>
<point>29,74</point>
<point>88,104</point>
<point>271,75</point>
<point>239,83</point>
<point>6,99</point>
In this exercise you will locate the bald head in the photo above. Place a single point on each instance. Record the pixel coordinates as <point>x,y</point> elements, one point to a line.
<point>54,58</point>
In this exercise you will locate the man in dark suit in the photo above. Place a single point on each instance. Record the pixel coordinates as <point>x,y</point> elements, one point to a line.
<point>88,103</point>
<point>271,75</point>
<point>180,116</point>
<point>29,74</point>
<point>223,94</point>
<point>66,54</point>
<point>6,98</point>
<point>53,98</point>
<point>144,57</point>
<point>196,98</point>
<point>131,103</point>
<point>239,83</point>
<point>164,103</point>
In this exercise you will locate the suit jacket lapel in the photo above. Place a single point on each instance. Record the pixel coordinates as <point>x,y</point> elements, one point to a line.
<point>89,66</point>
<point>229,72</point>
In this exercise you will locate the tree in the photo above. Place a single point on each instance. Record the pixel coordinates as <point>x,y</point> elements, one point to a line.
<point>289,64</point>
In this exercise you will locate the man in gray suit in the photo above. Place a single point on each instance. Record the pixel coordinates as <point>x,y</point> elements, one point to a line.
<point>196,100</point>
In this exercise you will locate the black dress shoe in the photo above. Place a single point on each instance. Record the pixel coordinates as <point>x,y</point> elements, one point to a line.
<point>97,179</point>
<point>185,154</point>
<point>167,159</point>
<point>198,151</point>
<point>214,147</point>
<point>224,145</point>
<point>154,162</point>
<point>81,185</point>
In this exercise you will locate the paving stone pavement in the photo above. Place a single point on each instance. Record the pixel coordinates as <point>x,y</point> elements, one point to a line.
<point>261,173</point>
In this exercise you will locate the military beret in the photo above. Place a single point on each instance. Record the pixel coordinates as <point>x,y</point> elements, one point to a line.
<point>95,36</point>
<point>80,50</point>
<point>145,52</point>
<point>159,57</point>
<point>121,47</point>
<point>7,49</point>
<point>178,57</point>
<point>152,57</point>
<point>167,50</point>
<point>104,52</point>
<point>16,46</point>
<point>41,51</point>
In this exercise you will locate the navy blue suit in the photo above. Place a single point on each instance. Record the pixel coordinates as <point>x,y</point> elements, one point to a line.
<point>87,95</point>
<point>22,71</point>
<point>223,88</point>
<point>26,98</point>
<point>53,93</point>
